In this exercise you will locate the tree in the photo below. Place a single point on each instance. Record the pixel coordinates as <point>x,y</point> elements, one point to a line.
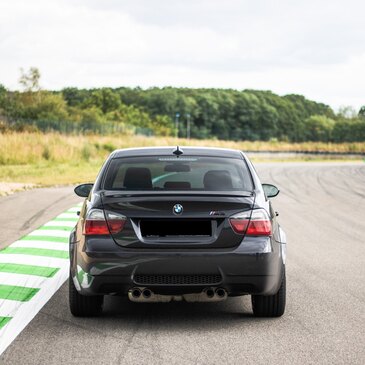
<point>213,113</point>
<point>362,112</point>
<point>319,128</point>
<point>347,112</point>
<point>2,95</point>
<point>105,99</point>
<point>74,96</point>
<point>30,80</point>
<point>349,130</point>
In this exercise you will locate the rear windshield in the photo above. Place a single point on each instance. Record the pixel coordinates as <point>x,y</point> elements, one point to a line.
<point>183,173</point>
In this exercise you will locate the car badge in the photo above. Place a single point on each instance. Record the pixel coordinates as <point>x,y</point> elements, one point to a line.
<point>216,213</point>
<point>177,209</point>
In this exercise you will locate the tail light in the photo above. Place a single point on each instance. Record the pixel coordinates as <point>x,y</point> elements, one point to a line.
<point>253,223</point>
<point>98,223</point>
<point>115,221</point>
<point>239,222</point>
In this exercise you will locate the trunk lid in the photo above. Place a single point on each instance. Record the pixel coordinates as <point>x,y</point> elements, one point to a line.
<point>154,219</point>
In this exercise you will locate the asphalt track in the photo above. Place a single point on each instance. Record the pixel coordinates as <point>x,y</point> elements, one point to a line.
<point>322,209</point>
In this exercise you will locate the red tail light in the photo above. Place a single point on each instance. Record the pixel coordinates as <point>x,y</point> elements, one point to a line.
<point>96,224</point>
<point>115,222</point>
<point>256,223</point>
<point>240,221</point>
<point>94,227</point>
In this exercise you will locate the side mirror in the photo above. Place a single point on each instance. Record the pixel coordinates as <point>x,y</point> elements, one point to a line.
<point>270,190</point>
<point>83,190</point>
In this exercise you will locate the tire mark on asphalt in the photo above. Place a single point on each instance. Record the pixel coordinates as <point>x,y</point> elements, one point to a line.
<point>344,186</point>
<point>126,343</point>
<point>288,192</point>
<point>324,186</point>
<point>354,191</point>
<point>28,223</point>
<point>129,342</point>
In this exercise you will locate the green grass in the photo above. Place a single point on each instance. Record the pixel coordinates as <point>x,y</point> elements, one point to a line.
<point>54,159</point>
<point>51,173</point>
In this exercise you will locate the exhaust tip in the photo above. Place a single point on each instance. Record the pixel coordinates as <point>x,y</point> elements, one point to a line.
<point>209,293</point>
<point>147,293</point>
<point>221,292</point>
<point>136,293</point>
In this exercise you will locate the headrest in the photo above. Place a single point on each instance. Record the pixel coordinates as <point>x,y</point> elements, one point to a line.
<point>138,178</point>
<point>218,180</point>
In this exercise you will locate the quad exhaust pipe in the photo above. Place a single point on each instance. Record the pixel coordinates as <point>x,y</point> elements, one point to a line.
<point>146,295</point>
<point>221,293</point>
<point>139,293</point>
<point>135,293</point>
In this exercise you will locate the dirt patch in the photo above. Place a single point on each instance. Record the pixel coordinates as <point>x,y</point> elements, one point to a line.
<point>7,188</point>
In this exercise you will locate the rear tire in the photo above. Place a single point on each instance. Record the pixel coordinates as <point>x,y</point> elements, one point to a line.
<point>82,305</point>
<point>270,305</point>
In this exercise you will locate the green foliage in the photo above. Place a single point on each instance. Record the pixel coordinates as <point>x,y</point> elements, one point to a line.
<point>361,111</point>
<point>213,113</point>
<point>349,130</point>
<point>75,97</point>
<point>2,92</point>
<point>108,147</point>
<point>104,99</point>
<point>91,117</point>
<point>86,153</point>
<point>46,154</point>
<point>30,79</point>
<point>318,128</point>
<point>30,105</point>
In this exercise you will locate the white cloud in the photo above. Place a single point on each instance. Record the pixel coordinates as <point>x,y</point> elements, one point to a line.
<point>312,48</point>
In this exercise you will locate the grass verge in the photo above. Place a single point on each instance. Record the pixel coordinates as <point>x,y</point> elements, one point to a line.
<point>54,159</point>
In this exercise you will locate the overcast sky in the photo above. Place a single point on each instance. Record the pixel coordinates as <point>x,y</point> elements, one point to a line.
<point>314,48</point>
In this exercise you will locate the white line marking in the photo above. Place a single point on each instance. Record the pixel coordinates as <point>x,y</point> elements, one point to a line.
<point>8,308</point>
<point>74,210</point>
<point>28,310</point>
<point>30,281</point>
<point>49,233</point>
<point>60,223</point>
<point>23,312</point>
<point>42,244</point>
<point>32,260</point>
<point>68,215</point>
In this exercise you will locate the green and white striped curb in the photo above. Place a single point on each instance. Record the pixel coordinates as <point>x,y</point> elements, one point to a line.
<point>32,269</point>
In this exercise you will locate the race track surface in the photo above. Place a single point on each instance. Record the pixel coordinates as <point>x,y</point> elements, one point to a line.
<point>322,209</point>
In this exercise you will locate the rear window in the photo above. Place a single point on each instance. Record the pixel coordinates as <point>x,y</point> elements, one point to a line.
<point>183,173</point>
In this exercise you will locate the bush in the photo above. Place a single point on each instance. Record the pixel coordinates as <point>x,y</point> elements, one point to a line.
<point>46,154</point>
<point>86,153</point>
<point>349,130</point>
<point>318,128</point>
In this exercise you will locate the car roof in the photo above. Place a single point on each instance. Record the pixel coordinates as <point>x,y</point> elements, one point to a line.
<point>168,151</point>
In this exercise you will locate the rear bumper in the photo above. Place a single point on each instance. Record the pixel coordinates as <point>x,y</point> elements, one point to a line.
<point>254,267</point>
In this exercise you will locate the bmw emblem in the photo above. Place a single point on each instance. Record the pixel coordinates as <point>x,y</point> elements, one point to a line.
<point>177,209</point>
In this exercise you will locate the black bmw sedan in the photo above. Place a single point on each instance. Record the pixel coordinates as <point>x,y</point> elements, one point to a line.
<point>171,223</point>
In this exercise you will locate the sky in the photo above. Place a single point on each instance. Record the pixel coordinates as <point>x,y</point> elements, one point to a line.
<point>313,48</point>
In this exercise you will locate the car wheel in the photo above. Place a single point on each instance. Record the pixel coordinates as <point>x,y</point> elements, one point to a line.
<point>270,305</point>
<point>82,305</point>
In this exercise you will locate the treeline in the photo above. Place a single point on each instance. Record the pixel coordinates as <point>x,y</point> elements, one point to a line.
<point>45,110</point>
<point>247,115</point>
<point>210,113</point>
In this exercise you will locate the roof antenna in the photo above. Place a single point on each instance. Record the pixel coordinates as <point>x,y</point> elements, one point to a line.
<point>178,151</point>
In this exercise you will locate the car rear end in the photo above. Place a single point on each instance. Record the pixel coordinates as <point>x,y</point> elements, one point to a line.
<point>160,226</point>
